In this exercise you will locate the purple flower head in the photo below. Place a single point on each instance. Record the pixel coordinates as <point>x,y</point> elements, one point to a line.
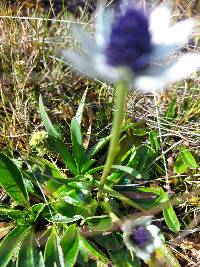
<point>140,236</point>
<point>130,41</point>
<point>137,48</point>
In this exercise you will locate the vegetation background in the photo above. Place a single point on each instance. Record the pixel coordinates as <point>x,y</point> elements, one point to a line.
<point>32,33</point>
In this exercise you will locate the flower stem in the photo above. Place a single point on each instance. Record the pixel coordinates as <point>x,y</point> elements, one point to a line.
<point>105,205</point>
<point>120,96</point>
<point>121,197</point>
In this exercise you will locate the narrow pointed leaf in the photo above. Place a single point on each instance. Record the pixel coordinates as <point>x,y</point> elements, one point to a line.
<point>11,242</point>
<point>153,137</point>
<point>129,170</point>
<point>59,144</point>
<point>53,254</point>
<point>89,248</point>
<point>66,156</point>
<point>70,245</point>
<point>28,254</point>
<point>77,143</point>
<point>95,149</point>
<point>47,123</point>
<point>12,181</point>
<point>87,164</point>
<point>79,112</point>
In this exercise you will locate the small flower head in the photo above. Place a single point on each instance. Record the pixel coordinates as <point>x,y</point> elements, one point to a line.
<point>132,46</point>
<point>38,141</point>
<point>141,237</point>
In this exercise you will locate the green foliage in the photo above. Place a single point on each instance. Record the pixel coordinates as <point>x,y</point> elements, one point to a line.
<point>28,254</point>
<point>53,254</point>
<point>67,202</point>
<point>9,245</point>
<point>184,161</point>
<point>70,245</point>
<point>161,198</point>
<point>123,258</point>
<point>12,181</point>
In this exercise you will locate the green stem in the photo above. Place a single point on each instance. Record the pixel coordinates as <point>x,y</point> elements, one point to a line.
<point>115,134</point>
<point>121,197</point>
<point>105,205</point>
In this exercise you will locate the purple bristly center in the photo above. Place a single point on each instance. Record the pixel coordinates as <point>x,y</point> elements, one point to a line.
<point>140,236</point>
<point>130,41</point>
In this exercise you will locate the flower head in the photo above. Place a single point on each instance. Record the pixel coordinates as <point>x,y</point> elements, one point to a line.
<point>132,46</point>
<point>129,43</point>
<point>141,237</point>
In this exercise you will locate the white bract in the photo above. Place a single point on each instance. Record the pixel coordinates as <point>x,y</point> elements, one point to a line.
<point>162,66</point>
<point>134,234</point>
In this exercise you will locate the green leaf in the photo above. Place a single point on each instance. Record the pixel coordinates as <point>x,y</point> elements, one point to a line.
<point>59,144</point>
<point>171,219</point>
<point>53,255</point>
<point>180,166</point>
<point>111,241</point>
<point>153,137</point>
<point>82,185</point>
<point>17,215</point>
<point>51,169</point>
<point>70,210</point>
<point>99,223</point>
<point>90,249</point>
<point>95,149</point>
<point>115,177</point>
<point>165,255</point>
<point>12,181</point>
<point>168,211</point>
<point>87,164</point>
<point>47,123</point>
<point>79,112</point>
<point>156,196</point>
<point>142,159</point>
<point>77,143</point>
<point>95,170</point>
<point>144,155</point>
<point>66,156</point>
<point>70,245</point>
<point>123,258</point>
<point>73,196</point>
<point>140,131</point>
<point>58,218</point>
<point>129,170</point>
<point>188,158</point>
<point>37,209</point>
<point>10,244</point>
<point>171,112</point>
<point>28,254</point>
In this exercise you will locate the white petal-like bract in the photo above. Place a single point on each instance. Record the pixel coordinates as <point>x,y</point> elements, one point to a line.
<point>162,76</point>
<point>159,23</point>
